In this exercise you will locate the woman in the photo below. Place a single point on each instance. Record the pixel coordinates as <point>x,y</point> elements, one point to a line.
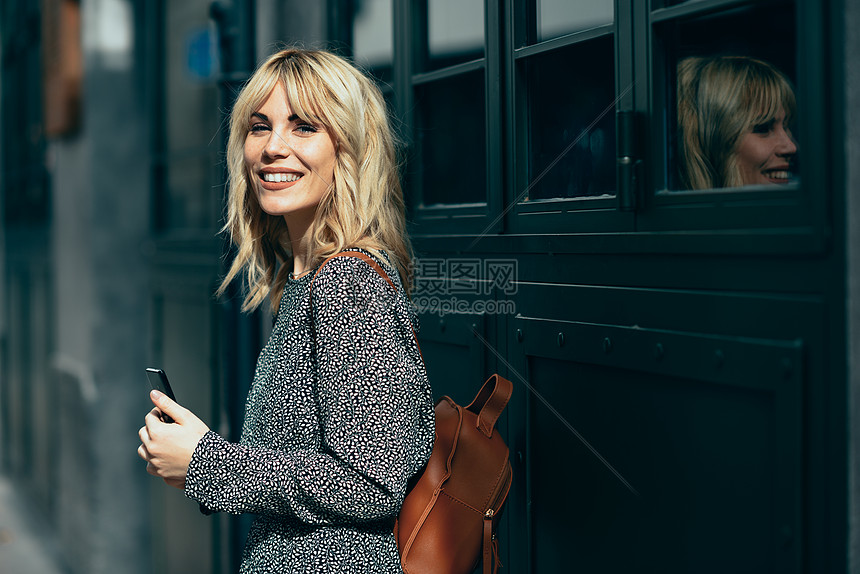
<point>340,416</point>
<point>734,114</point>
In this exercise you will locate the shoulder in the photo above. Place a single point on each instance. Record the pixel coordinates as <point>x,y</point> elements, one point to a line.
<point>352,275</point>
<point>349,285</point>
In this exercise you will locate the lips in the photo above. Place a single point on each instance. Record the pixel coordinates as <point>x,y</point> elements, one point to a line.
<point>781,174</point>
<point>277,179</point>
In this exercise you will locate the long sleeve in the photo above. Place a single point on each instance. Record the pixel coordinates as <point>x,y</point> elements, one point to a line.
<point>373,409</point>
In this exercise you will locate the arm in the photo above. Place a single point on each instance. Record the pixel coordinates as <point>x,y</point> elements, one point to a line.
<point>375,413</point>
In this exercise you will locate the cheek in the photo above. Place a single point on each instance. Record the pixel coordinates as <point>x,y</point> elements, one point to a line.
<point>753,151</point>
<point>326,157</point>
<point>248,153</point>
<point>249,161</point>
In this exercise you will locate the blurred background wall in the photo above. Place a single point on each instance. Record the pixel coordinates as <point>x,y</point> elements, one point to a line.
<point>79,214</point>
<point>112,194</point>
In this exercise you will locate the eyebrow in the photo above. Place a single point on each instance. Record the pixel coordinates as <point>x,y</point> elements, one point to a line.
<point>265,118</point>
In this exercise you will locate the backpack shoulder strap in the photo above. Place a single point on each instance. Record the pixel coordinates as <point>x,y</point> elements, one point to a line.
<point>364,257</point>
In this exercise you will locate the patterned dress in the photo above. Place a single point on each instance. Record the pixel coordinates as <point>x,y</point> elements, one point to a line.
<point>338,419</point>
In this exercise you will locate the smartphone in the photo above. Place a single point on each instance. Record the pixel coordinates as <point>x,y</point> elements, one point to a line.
<point>158,381</point>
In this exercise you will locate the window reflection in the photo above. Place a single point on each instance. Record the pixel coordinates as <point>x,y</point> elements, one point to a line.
<point>455,32</point>
<point>558,17</point>
<point>572,121</point>
<point>373,37</point>
<point>734,121</point>
<point>724,69</point>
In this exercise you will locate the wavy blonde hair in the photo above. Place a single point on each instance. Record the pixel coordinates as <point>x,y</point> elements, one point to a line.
<point>721,98</point>
<point>363,207</point>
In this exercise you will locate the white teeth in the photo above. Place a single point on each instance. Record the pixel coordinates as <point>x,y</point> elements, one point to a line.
<point>779,174</point>
<point>280,177</point>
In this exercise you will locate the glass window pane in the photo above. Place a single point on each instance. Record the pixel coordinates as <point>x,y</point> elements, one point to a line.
<point>373,37</point>
<point>572,121</point>
<point>455,32</point>
<point>731,77</point>
<point>191,117</point>
<point>451,139</point>
<point>558,17</point>
<point>192,96</point>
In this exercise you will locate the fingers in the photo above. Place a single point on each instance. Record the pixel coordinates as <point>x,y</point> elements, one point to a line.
<point>150,468</point>
<point>143,453</point>
<point>169,448</point>
<point>153,465</point>
<point>168,406</point>
<point>152,417</point>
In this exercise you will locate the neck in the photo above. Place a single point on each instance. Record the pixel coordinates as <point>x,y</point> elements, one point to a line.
<point>299,230</point>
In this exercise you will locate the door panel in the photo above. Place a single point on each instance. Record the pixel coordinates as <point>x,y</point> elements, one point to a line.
<point>454,356</point>
<point>681,448</point>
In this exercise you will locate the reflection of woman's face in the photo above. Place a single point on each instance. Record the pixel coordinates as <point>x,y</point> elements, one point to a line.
<point>764,154</point>
<point>290,161</point>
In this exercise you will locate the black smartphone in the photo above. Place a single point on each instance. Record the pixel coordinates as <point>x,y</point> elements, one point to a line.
<point>158,381</point>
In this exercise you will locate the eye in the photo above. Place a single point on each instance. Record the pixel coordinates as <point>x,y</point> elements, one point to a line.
<point>306,129</point>
<point>763,128</point>
<point>259,127</point>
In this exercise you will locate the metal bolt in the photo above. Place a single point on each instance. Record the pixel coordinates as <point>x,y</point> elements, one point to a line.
<point>520,335</point>
<point>560,339</point>
<point>607,345</point>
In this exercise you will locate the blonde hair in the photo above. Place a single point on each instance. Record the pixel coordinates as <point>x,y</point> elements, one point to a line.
<point>363,207</point>
<point>720,99</point>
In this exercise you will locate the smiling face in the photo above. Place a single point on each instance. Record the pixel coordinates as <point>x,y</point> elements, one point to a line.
<point>290,161</point>
<point>765,153</point>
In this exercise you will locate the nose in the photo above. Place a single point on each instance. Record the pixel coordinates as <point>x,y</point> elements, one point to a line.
<point>277,146</point>
<point>786,146</point>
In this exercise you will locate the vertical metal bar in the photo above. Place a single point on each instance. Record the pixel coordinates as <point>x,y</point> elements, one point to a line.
<point>522,30</point>
<point>409,49</point>
<point>511,28</point>
<point>627,161</point>
<point>624,121</point>
<point>494,101</point>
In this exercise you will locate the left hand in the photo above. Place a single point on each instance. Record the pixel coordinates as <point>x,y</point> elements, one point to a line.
<point>167,447</point>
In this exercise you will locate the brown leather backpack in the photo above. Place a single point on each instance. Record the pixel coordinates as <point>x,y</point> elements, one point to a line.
<point>448,519</point>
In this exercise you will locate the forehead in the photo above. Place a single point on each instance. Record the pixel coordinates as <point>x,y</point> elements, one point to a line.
<point>293,98</point>
<point>275,101</point>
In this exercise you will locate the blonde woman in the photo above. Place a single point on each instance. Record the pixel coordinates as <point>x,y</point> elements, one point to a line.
<point>340,414</point>
<point>734,117</point>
